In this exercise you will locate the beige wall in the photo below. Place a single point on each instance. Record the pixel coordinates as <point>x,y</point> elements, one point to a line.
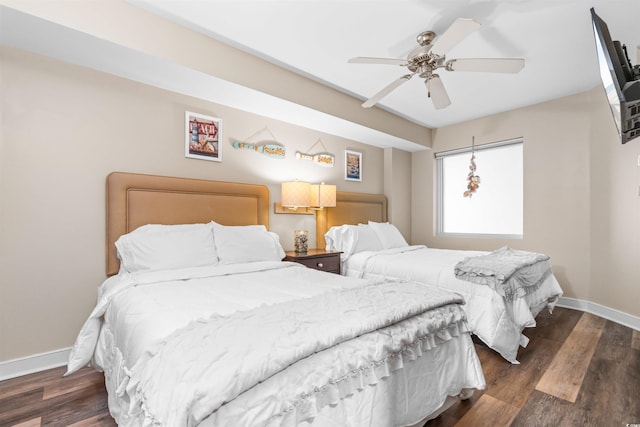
<point>64,128</point>
<point>581,203</point>
<point>615,213</point>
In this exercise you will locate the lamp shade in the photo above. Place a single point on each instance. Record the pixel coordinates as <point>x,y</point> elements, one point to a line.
<point>323,196</point>
<point>296,194</point>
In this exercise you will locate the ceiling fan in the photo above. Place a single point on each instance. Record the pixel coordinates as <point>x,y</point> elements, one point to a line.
<point>425,59</point>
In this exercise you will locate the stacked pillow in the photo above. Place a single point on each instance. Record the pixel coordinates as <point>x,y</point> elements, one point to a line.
<point>246,243</point>
<point>389,235</point>
<point>166,247</point>
<point>374,236</point>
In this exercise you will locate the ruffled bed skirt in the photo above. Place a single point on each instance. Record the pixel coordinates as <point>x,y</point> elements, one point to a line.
<point>306,406</point>
<point>309,404</point>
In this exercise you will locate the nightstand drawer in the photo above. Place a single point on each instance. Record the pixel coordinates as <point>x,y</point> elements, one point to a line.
<point>318,259</point>
<point>330,264</point>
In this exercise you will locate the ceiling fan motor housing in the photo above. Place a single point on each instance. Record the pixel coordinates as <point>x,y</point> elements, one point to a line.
<point>423,61</point>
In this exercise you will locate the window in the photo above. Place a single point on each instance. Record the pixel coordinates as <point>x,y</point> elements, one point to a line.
<point>496,208</point>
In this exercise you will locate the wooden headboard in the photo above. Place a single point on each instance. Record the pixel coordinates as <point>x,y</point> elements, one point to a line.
<point>351,208</point>
<point>135,199</point>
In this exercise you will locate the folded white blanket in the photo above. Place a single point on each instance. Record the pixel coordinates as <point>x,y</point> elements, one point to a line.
<point>511,273</point>
<point>210,362</point>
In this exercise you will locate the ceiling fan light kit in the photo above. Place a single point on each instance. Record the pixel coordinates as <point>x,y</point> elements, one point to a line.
<point>430,56</point>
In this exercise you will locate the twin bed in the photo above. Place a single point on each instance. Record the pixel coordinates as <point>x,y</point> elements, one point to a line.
<point>373,249</point>
<point>201,323</point>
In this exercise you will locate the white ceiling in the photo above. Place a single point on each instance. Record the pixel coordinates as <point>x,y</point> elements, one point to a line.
<point>316,38</point>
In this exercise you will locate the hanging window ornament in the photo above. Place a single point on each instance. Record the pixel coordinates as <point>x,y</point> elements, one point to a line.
<point>473,180</point>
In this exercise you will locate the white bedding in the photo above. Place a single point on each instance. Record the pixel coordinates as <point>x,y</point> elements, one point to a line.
<point>139,335</point>
<point>497,322</point>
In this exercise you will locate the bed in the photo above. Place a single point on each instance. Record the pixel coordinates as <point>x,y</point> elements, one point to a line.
<point>497,316</point>
<point>199,322</point>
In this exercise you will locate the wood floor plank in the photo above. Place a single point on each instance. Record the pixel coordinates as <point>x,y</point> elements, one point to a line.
<point>489,412</point>
<point>554,326</point>
<point>76,406</point>
<point>615,342</point>
<point>18,408</point>
<point>566,372</point>
<point>24,383</point>
<point>81,379</point>
<point>635,340</point>
<point>609,401</point>
<point>514,383</point>
<point>544,410</point>
<point>102,420</point>
<point>61,410</point>
<point>611,387</point>
<point>36,422</point>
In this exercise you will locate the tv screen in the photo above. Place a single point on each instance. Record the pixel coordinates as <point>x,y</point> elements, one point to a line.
<point>619,80</point>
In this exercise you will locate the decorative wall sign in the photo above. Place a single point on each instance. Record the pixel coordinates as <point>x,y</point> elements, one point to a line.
<point>270,148</point>
<point>352,165</point>
<point>325,158</point>
<point>202,137</point>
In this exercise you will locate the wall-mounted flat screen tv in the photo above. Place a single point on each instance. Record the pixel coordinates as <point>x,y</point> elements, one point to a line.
<point>620,79</point>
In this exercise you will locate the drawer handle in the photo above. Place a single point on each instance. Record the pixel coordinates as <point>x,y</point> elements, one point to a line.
<point>320,265</point>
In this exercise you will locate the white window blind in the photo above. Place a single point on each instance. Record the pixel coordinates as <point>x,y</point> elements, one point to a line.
<point>496,208</point>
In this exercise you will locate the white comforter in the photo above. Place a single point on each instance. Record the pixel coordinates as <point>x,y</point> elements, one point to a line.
<point>181,347</point>
<point>497,322</point>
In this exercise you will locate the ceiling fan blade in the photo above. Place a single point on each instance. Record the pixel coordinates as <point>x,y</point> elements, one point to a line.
<point>368,60</point>
<point>486,65</point>
<point>457,32</point>
<point>386,90</point>
<point>437,92</point>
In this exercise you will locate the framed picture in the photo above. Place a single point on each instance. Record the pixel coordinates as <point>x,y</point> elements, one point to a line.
<point>352,165</point>
<point>202,137</point>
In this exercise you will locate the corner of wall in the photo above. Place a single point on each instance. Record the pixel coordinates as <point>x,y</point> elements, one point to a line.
<point>397,187</point>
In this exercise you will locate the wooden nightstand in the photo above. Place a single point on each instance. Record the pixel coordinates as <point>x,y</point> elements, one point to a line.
<point>318,259</point>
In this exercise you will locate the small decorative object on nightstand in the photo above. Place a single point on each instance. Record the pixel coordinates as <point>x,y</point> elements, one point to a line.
<point>318,259</point>
<point>300,239</point>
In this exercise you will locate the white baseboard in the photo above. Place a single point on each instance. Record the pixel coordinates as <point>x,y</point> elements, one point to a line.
<point>53,359</point>
<point>34,363</point>
<point>612,314</point>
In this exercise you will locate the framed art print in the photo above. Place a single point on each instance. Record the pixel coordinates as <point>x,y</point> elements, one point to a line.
<point>202,137</point>
<point>352,165</point>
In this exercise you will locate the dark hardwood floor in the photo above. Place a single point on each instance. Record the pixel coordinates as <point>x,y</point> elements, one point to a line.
<point>578,370</point>
<point>570,354</point>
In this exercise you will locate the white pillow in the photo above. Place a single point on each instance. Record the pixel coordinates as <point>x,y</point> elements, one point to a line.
<point>167,247</point>
<point>366,239</point>
<point>246,243</point>
<point>389,235</point>
<point>351,239</point>
<point>341,238</point>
